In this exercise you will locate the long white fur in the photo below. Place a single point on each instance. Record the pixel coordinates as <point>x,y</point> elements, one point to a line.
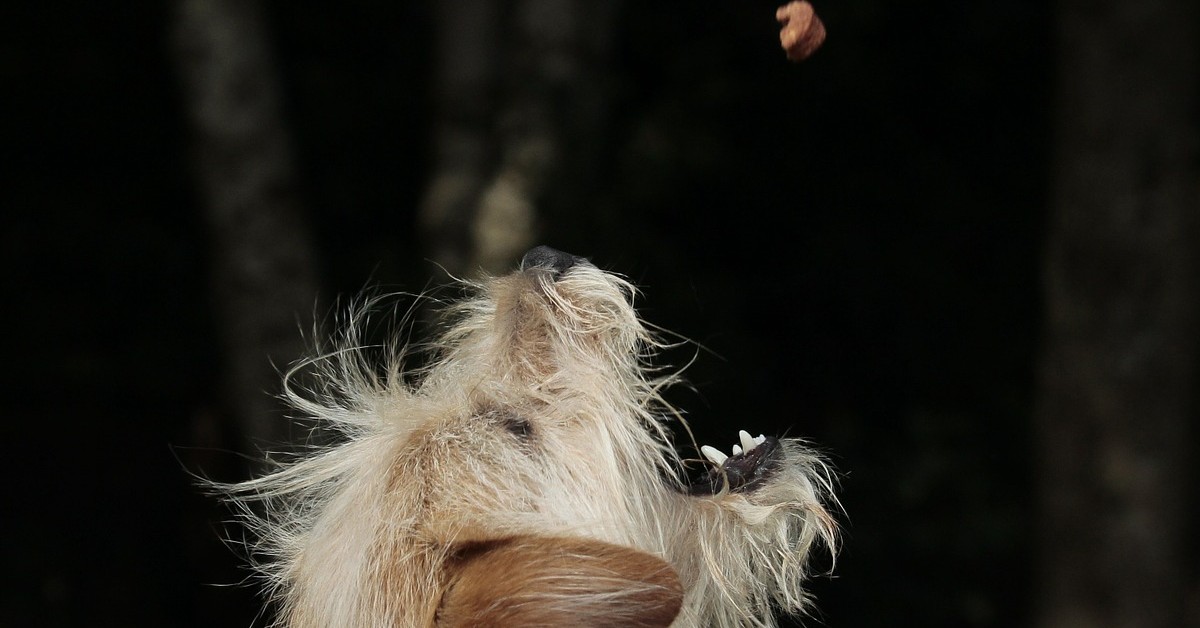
<point>354,534</point>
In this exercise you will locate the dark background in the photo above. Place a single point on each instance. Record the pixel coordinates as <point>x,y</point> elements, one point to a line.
<point>856,241</point>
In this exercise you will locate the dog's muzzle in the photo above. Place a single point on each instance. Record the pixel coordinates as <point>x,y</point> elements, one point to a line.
<point>550,259</point>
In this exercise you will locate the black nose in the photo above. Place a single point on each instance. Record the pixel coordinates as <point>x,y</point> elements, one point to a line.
<point>552,259</point>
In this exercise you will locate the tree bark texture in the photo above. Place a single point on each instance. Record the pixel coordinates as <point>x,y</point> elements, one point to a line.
<point>520,99</point>
<point>1116,401</point>
<point>263,269</point>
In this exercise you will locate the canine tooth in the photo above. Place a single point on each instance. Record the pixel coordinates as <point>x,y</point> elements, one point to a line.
<point>760,439</point>
<point>748,441</point>
<point>737,451</point>
<point>713,454</point>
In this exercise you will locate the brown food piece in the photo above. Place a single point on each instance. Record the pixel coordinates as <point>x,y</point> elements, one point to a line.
<point>802,32</point>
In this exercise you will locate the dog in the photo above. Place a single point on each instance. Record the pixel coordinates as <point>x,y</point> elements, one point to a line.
<point>527,476</point>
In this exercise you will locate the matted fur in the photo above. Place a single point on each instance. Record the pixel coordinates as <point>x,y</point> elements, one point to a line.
<point>538,417</point>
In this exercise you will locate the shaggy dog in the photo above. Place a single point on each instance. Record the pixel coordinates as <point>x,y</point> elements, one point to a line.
<point>527,477</point>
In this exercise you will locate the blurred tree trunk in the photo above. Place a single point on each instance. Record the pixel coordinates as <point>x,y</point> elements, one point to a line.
<point>1116,400</point>
<point>521,96</point>
<point>466,81</point>
<point>263,271</point>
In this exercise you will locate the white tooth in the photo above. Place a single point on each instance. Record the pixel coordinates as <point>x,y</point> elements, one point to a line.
<point>737,451</point>
<point>713,454</point>
<point>748,441</point>
<point>760,439</point>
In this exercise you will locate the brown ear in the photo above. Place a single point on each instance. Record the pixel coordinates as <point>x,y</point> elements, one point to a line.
<point>547,581</point>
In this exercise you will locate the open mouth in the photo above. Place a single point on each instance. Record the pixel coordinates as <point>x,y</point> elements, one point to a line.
<point>750,464</point>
